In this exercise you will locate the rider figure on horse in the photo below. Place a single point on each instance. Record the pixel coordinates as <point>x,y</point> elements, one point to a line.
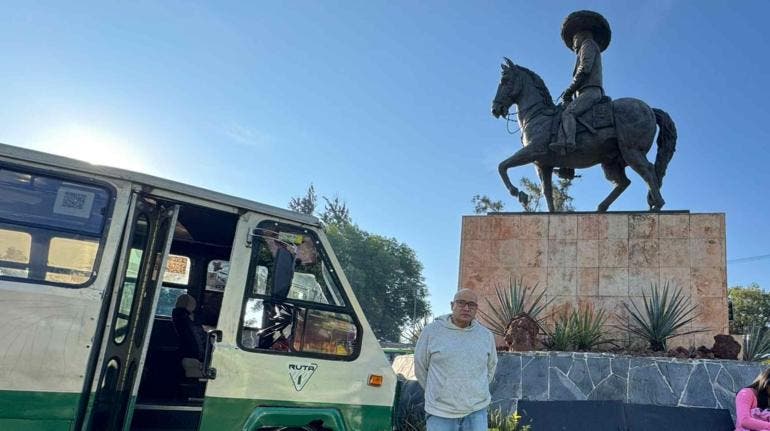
<point>587,33</point>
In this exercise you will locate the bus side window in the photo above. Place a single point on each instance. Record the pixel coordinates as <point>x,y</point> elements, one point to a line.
<point>14,253</point>
<point>51,229</point>
<point>311,317</point>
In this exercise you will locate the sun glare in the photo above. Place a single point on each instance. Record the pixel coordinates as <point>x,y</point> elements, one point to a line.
<point>94,146</point>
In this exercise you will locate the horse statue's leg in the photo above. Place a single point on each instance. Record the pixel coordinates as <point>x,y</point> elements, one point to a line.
<point>546,184</point>
<point>616,174</point>
<point>636,124</point>
<point>637,160</point>
<point>522,157</point>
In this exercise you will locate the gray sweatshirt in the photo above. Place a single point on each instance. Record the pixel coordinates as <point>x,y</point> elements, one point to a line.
<point>455,367</point>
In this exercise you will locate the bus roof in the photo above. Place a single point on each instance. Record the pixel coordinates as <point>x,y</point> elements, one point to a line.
<point>26,155</point>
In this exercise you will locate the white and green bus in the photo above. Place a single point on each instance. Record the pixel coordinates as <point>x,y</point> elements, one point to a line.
<point>130,302</point>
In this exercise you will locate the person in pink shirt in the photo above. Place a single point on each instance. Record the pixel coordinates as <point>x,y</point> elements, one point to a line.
<point>750,405</point>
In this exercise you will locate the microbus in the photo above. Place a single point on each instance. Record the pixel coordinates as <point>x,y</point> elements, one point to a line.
<point>131,302</point>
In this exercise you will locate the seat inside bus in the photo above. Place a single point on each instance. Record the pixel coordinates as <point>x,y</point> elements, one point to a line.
<point>196,273</point>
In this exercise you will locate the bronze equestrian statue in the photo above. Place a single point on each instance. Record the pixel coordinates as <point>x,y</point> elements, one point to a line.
<point>587,130</point>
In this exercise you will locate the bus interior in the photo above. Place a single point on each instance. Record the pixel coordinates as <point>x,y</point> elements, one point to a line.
<point>170,395</point>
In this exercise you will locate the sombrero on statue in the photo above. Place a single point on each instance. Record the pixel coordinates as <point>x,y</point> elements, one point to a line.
<point>589,21</point>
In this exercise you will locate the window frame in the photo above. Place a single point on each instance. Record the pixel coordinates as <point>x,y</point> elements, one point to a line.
<point>57,232</point>
<point>346,308</point>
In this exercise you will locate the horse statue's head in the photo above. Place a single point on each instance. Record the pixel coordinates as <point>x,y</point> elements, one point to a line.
<point>508,89</point>
<point>518,85</point>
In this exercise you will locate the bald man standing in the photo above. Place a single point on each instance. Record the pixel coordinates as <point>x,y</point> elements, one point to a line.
<point>454,361</point>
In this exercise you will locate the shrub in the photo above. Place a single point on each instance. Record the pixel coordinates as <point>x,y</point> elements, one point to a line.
<point>580,329</point>
<point>515,299</point>
<point>587,328</point>
<point>498,421</point>
<point>560,337</point>
<point>756,344</point>
<point>665,315</point>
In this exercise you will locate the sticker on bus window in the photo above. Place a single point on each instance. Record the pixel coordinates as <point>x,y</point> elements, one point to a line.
<point>301,373</point>
<point>291,238</point>
<point>73,202</point>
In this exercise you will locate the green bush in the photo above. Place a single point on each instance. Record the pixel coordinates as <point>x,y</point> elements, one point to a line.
<point>560,337</point>
<point>581,329</point>
<point>588,328</point>
<point>498,421</point>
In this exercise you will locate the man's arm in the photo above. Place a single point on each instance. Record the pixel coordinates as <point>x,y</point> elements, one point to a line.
<point>491,359</point>
<point>586,58</point>
<point>422,358</point>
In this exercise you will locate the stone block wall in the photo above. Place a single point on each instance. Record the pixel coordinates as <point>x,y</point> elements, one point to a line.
<point>565,376</point>
<point>602,259</point>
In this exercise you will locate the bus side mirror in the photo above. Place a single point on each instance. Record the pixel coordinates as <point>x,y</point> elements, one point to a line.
<point>283,273</point>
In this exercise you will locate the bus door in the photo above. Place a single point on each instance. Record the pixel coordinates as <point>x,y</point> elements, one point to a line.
<point>142,260</point>
<point>294,352</point>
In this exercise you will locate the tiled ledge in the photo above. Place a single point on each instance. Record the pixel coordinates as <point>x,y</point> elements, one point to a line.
<point>565,376</point>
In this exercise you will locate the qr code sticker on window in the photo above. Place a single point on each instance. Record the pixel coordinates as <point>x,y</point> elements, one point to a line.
<point>73,202</point>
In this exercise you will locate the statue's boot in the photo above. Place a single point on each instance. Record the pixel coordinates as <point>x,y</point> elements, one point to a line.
<point>561,147</point>
<point>566,142</point>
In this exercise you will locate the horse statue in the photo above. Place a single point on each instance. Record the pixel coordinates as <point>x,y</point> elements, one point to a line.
<point>617,135</point>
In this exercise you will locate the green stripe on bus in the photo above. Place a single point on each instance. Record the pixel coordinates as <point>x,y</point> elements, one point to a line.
<point>232,414</point>
<point>38,405</point>
<point>35,425</point>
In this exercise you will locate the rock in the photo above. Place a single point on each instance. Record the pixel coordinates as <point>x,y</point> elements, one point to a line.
<point>680,352</point>
<point>521,334</point>
<point>725,347</point>
<point>703,352</point>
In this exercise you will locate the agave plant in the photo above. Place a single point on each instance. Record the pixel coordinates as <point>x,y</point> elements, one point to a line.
<point>511,301</point>
<point>756,344</point>
<point>666,312</point>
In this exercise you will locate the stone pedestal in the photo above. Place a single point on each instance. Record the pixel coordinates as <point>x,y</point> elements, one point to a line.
<point>602,259</point>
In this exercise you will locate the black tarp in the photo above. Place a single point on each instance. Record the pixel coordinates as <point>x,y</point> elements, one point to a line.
<point>617,416</point>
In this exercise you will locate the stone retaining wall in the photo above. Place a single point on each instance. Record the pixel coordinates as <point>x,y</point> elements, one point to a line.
<point>564,376</point>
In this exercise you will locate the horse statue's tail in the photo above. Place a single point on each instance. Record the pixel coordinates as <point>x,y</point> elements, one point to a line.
<point>666,143</point>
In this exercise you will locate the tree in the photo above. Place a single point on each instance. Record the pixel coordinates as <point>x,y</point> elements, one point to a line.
<point>484,204</point>
<point>751,307</point>
<point>305,204</point>
<point>336,211</point>
<point>414,329</point>
<point>384,273</point>
<point>562,201</point>
<point>386,276</point>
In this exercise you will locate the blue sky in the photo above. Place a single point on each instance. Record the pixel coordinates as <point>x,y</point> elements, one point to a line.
<point>385,103</point>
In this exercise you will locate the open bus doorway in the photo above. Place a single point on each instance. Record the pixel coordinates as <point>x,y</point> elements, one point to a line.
<point>158,384</point>
<point>189,303</point>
